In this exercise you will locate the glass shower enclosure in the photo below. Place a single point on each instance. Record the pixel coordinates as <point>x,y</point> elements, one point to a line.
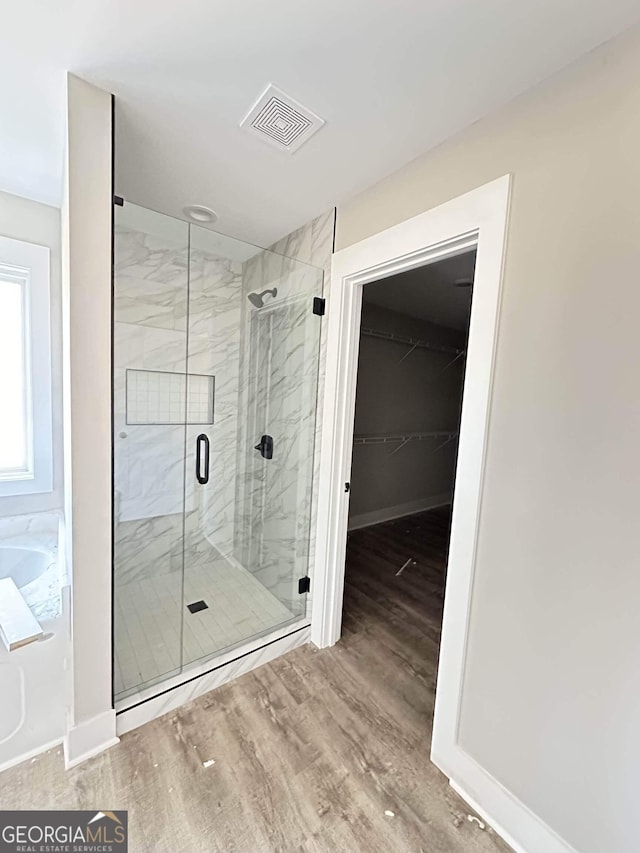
<point>215,365</point>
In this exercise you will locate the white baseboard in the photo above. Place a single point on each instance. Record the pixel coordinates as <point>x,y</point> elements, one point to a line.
<point>33,753</point>
<point>207,676</point>
<point>510,818</point>
<point>377,516</point>
<point>499,830</point>
<point>90,738</point>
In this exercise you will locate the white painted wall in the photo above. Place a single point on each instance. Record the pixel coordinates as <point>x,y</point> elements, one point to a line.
<point>32,222</point>
<point>552,695</point>
<point>87,214</point>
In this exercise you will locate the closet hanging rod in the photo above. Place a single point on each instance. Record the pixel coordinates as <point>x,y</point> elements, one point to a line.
<point>412,342</point>
<point>403,437</point>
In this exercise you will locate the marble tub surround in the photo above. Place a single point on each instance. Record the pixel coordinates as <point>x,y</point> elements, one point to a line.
<point>43,596</point>
<point>40,526</point>
<point>38,533</point>
<point>18,626</point>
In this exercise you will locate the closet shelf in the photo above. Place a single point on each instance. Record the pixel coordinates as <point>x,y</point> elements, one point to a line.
<point>412,342</point>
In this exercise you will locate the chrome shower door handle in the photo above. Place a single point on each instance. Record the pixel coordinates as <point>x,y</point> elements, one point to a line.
<point>202,460</point>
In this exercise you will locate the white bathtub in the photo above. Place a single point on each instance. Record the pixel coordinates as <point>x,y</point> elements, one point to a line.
<point>23,564</point>
<point>33,682</point>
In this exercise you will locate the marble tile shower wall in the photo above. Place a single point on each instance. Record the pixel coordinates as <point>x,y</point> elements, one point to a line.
<point>281,381</point>
<point>215,319</point>
<point>275,534</point>
<point>150,333</point>
<point>150,317</point>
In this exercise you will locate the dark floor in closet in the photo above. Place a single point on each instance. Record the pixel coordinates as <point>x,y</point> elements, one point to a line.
<point>320,751</point>
<point>408,606</point>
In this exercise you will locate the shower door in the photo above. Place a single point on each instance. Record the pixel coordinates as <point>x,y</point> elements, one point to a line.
<point>215,364</point>
<point>253,336</point>
<point>283,343</point>
<point>151,290</point>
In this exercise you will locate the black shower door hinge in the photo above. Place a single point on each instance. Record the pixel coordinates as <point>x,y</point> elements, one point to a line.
<point>117,199</point>
<point>304,585</point>
<point>318,305</point>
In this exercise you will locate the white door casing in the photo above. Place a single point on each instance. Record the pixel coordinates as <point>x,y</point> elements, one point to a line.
<point>477,219</point>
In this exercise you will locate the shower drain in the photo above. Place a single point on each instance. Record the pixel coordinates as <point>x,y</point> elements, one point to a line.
<point>197,606</point>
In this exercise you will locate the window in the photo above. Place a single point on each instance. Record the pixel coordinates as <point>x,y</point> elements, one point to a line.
<point>25,369</point>
<point>15,461</point>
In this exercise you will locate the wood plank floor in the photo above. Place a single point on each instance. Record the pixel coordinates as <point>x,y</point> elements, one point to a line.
<point>312,752</point>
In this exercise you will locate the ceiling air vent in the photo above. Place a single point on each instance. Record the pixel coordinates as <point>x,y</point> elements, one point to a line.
<point>280,120</point>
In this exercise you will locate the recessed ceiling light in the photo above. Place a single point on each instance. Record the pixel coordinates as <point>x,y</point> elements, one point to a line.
<point>199,213</point>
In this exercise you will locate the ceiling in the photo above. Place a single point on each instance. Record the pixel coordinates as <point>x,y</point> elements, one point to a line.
<point>429,292</point>
<point>391,80</point>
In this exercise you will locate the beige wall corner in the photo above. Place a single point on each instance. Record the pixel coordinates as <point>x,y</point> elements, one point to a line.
<point>86,222</point>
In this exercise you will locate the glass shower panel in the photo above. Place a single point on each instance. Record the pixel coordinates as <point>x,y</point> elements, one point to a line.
<point>149,402</point>
<point>214,341</point>
<point>253,348</point>
<point>282,347</point>
<point>215,364</point>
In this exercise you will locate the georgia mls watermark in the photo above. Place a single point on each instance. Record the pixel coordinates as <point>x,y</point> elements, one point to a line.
<point>63,832</point>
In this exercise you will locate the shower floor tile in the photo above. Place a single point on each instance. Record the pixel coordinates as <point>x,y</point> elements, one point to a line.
<point>156,633</point>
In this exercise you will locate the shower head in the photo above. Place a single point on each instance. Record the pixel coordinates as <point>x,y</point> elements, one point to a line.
<point>257,299</point>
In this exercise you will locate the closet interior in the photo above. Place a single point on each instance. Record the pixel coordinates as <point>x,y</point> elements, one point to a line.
<point>413,340</point>
<point>411,367</point>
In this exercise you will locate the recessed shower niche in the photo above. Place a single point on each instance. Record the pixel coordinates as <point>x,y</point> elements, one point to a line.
<point>165,397</point>
<point>215,364</point>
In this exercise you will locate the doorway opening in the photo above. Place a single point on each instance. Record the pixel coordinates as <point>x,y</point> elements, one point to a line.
<point>475,222</point>
<point>411,365</point>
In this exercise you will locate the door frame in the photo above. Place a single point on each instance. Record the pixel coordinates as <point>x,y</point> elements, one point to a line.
<point>475,219</point>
